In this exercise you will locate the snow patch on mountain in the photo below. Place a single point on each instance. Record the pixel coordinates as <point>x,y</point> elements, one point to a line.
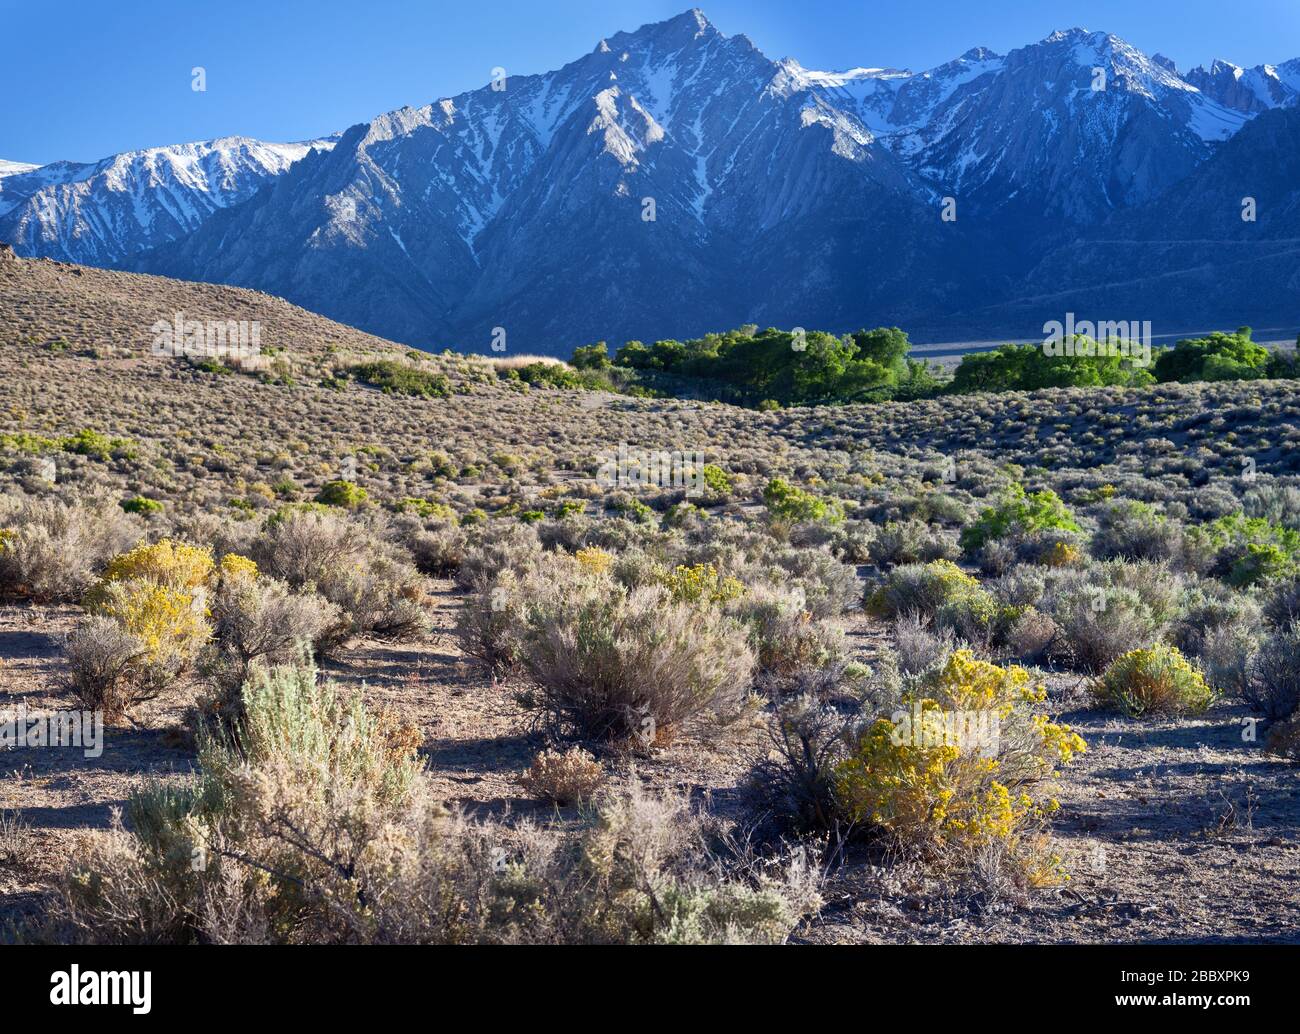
<point>8,168</point>
<point>100,212</point>
<point>1249,90</point>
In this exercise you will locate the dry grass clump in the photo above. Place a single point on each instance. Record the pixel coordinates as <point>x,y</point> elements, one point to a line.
<point>787,639</point>
<point>105,661</point>
<point>606,657</point>
<point>577,625</point>
<point>1131,530</point>
<point>1274,685</point>
<point>308,546</point>
<point>1207,607</point>
<point>563,777</point>
<point>491,624</point>
<point>911,542</point>
<point>16,847</point>
<point>437,545</point>
<point>919,646</point>
<point>1111,609</point>
<point>258,620</point>
<point>1284,739</point>
<point>518,362</point>
<point>498,547</point>
<point>794,782</point>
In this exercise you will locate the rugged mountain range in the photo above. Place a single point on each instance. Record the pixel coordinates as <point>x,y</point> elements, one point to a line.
<point>1224,243</point>
<point>1250,90</point>
<point>676,180</point>
<point>100,213</point>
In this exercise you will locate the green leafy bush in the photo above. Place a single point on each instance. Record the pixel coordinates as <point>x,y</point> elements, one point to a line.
<point>426,508</point>
<point>774,368</point>
<point>1030,368</point>
<point>1156,680</point>
<point>1218,357</point>
<point>401,379</point>
<point>140,504</point>
<point>786,502</point>
<point>1018,514</point>
<point>716,481</point>
<point>1248,550</point>
<point>591,357</point>
<point>87,442</point>
<point>346,494</point>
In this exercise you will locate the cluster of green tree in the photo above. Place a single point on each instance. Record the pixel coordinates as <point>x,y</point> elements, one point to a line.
<point>1222,357</point>
<point>775,368</point>
<point>1029,367</point>
<point>782,368</point>
<point>1218,357</point>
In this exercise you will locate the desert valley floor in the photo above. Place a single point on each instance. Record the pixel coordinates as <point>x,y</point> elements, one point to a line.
<point>1172,828</point>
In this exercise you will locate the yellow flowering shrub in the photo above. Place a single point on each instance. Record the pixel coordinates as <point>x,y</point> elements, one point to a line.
<point>1157,680</point>
<point>924,589</point>
<point>158,593</point>
<point>1062,554</point>
<point>702,584</point>
<point>233,567</point>
<point>922,778</point>
<point>594,559</point>
<point>170,623</point>
<point>168,563</point>
<point>966,683</point>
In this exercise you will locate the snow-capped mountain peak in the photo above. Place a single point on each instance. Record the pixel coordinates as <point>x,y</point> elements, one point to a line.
<point>101,212</point>
<point>1249,90</point>
<point>8,168</point>
<point>668,170</point>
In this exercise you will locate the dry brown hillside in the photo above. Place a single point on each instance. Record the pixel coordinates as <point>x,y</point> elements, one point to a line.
<point>88,308</point>
<point>75,343</point>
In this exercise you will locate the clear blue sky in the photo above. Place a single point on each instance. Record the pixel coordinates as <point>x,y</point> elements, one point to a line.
<point>82,79</point>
